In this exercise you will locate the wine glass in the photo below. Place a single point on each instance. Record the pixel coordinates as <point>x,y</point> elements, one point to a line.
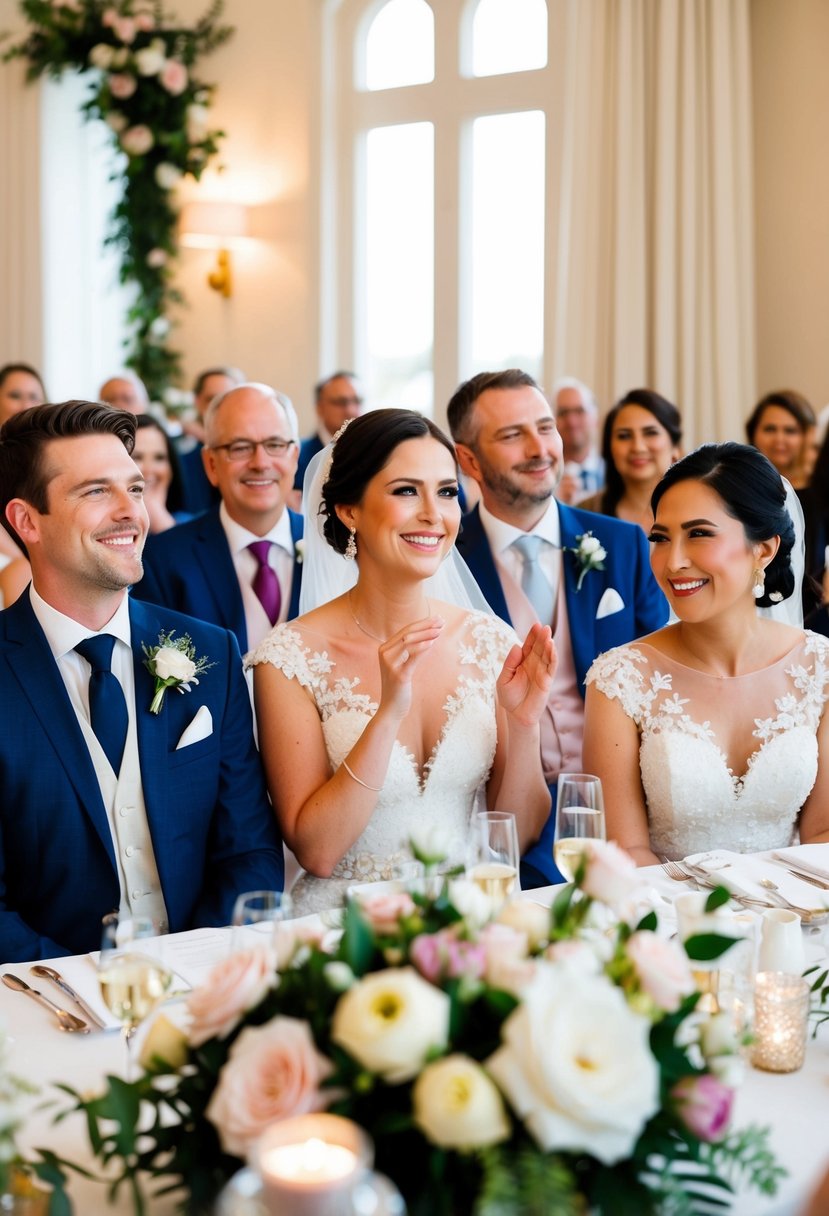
<point>131,971</point>
<point>579,819</point>
<point>256,915</point>
<point>494,862</point>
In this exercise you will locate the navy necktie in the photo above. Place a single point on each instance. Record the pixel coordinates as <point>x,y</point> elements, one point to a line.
<point>107,704</point>
<point>265,583</point>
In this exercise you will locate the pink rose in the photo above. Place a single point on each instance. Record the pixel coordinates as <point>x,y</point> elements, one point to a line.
<point>704,1105</point>
<point>272,1072</point>
<point>122,85</point>
<point>661,968</point>
<point>444,954</point>
<point>426,953</point>
<point>137,140</point>
<point>507,965</point>
<point>109,17</point>
<point>144,21</point>
<point>234,986</point>
<point>174,77</point>
<point>124,28</point>
<point>156,258</point>
<point>384,910</point>
<point>611,874</point>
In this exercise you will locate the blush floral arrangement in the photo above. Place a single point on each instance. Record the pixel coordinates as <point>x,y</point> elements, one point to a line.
<point>544,1060</point>
<point>145,88</point>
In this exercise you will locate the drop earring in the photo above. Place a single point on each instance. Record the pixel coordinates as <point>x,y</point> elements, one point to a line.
<point>351,546</point>
<point>758,589</point>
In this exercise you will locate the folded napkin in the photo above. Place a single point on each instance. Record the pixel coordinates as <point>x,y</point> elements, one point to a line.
<point>741,873</point>
<point>810,858</point>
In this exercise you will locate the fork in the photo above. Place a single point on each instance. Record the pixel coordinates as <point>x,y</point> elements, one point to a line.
<point>676,872</point>
<point>816,882</point>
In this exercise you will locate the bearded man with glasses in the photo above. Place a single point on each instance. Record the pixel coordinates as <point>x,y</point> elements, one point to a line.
<point>237,565</point>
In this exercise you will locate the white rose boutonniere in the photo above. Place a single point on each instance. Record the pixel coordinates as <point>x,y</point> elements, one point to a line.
<point>174,664</point>
<point>299,551</point>
<point>589,554</point>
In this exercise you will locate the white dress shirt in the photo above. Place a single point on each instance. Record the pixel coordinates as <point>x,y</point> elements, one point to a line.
<point>501,536</point>
<point>281,560</point>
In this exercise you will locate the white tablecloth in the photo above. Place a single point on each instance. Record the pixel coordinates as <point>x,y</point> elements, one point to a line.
<point>795,1106</point>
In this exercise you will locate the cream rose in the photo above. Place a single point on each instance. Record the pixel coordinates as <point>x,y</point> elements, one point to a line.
<point>151,59</point>
<point>234,986</point>
<point>197,127</point>
<point>661,967</point>
<point>611,874</point>
<point>171,663</point>
<point>527,917</point>
<point>576,1065</point>
<point>167,176</point>
<point>136,141</point>
<point>474,905</point>
<point>457,1106</point>
<point>390,1020</point>
<point>272,1072</point>
<point>101,55</point>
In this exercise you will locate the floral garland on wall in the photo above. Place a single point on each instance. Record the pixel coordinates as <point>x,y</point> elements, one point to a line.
<point>147,93</point>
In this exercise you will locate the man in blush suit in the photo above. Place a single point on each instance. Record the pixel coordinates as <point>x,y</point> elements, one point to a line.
<point>523,547</point>
<point>103,803</point>
<point>238,564</point>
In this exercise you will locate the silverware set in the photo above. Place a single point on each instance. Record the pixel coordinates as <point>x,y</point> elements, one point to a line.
<point>683,872</point>
<point>67,1021</point>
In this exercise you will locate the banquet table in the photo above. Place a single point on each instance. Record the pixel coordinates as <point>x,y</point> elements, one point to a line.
<point>795,1106</point>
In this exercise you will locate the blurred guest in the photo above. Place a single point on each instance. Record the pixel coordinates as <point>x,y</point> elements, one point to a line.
<point>158,461</point>
<point>336,399</point>
<point>125,391</point>
<point>779,427</point>
<point>199,493</point>
<point>577,419</point>
<point>237,565</point>
<point>20,387</point>
<point>640,442</point>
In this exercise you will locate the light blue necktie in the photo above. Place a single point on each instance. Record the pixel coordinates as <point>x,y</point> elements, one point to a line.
<point>534,582</point>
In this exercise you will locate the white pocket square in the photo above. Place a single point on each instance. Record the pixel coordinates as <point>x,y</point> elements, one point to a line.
<point>200,728</point>
<point>610,602</point>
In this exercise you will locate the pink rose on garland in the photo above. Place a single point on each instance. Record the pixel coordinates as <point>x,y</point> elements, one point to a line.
<point>136,141</point>
<point>122,85</point>
<point>234,986</point>
<point>173,76</point>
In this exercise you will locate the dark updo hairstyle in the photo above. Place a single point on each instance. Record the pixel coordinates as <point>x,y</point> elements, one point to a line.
<point>786,399</point>
<point>752,492</point>
<point>666,414</point>
<point>362,450</point>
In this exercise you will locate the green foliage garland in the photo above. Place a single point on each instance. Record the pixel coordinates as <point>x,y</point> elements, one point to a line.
<point>145,90</point>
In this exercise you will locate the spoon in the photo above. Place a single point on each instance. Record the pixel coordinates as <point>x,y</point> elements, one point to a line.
<point>66,1021</point>
<point>49,973</point>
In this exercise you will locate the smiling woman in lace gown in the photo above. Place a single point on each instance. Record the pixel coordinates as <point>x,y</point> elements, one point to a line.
<point>387,708</point>
<point>711,732</point>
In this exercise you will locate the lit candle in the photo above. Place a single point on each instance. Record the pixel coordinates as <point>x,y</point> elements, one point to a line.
<point>310,1165</point>
<point>781,1014</point>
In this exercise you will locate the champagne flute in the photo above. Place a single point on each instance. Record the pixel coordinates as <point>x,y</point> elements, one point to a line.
<point>256,915</point>
<point>494,863</point>
<point>579,819</point>
<point>133,980</point>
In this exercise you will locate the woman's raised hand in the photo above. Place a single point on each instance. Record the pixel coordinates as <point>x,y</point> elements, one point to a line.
<point>527,675</point>
<point>399,657</point>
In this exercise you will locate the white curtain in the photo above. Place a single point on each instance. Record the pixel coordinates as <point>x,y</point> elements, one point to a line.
<point>654,282</point>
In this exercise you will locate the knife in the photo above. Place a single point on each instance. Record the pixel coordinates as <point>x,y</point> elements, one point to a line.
<point>49,973</point>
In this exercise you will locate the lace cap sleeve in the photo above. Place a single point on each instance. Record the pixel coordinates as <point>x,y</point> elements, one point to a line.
<point>620,674</point>
<point>486,642</point>
<point>283,649</point>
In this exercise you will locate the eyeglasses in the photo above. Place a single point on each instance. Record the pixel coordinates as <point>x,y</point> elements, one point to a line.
<point>344,402</point>
<point>244,449</point>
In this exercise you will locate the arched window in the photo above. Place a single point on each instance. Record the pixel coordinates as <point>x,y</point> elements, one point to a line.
<point>400,45</point>
<point>508,36</point>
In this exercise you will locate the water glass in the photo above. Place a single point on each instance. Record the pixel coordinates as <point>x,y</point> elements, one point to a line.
<point>579,819</point>
<point>256,916</point>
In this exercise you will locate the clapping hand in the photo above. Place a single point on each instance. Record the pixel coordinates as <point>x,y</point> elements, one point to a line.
<point>399,657</point>
<point>527,675</point>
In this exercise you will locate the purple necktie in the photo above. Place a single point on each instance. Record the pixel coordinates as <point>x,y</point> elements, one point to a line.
<point>266,584</point>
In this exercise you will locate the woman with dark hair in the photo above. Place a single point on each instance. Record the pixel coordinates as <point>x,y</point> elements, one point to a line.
<point>388,708</point>
<point>640,442</point>
<point>779,427</point>
<point>163,484</point>
<point>20,387</point>
<point>709,732</point>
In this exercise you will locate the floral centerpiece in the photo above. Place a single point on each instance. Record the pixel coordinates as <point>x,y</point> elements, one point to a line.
<point>145,88</point>
<point>544,1061</point>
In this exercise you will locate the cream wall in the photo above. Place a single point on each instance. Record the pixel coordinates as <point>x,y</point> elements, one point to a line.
<point>790,52</point>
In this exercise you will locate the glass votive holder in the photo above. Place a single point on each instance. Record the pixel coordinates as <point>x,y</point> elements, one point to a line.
<point>311,1165</point>
<point>781,1019</point>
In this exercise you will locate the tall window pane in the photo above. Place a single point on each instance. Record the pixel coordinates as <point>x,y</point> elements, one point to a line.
<point>508,241</point>
<point>509,36</point>
<point>399,242</point>
<point>400,45</point>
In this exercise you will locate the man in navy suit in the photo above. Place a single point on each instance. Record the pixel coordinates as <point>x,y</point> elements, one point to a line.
<point>199,494</point>
<point>508,443</point>
<point>103,803</point>
<point>213,567</point>
<point>337,398</point>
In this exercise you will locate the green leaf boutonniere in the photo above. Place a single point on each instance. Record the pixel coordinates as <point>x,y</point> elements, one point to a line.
<point>589,554</point>
<point>174,664</point>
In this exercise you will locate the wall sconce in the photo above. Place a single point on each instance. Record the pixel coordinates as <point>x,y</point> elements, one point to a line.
<point>215,225</point>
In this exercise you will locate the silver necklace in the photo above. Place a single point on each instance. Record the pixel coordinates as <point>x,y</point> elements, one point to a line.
<point>375,636</point>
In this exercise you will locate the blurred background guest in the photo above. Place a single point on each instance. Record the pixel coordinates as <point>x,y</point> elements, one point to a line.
<point>577,419</point>
<point>336,398</point>
<point>199,494</point>
<point>158,461</point>
<point>640,442</point>
<point>20,387</point>
<point>124,391</point>
<point>779,426</point>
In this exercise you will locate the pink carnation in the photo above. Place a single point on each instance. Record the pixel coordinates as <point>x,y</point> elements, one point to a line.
<point>174,77</point>
<point>384,910</point>
<point>661,968</point>
<point>272,1072</point>
<point>444,955</point>
<point>704,1105</point>
<point>122,85</point>
<point>234,986</point>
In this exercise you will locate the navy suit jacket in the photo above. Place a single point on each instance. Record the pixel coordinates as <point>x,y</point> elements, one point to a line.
<point>308,449</point>
<point>199,492</point>
<point>190,569</point>
<point>213,830</point>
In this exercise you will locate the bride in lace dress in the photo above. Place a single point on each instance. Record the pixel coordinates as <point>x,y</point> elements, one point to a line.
<point>710,732</point>
<point>386,708</point>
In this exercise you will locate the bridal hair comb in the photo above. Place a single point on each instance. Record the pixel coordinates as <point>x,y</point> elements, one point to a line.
<point>326,473</point>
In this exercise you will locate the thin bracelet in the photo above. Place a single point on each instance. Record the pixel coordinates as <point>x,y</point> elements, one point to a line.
<point>376,789</point>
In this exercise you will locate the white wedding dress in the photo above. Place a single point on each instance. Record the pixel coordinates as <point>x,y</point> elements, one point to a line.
<point>451,785</point>
<point>725,763</point>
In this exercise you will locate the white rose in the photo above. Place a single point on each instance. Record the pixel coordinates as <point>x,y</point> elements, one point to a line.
<point>527,917</point>
<point>197,127</point>
<point>430,842</point>
<point>390,1020</point>
<point>589,544</point>
<point>611,875</point>
<point>576,1065</point>
<point>457,1106</point>
<point>718,1036</point>
<point>167,176</point>
<point>166,1042</point>
<point>474,905</point>
<point>172,663</point>
<point>101,55</point>
<point>150,60</point>
<point>661,968</point>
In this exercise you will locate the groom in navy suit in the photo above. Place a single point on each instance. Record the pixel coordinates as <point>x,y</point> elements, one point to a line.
<point>103,803</point>
<point>528,555</point>
<point>237,565</point>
